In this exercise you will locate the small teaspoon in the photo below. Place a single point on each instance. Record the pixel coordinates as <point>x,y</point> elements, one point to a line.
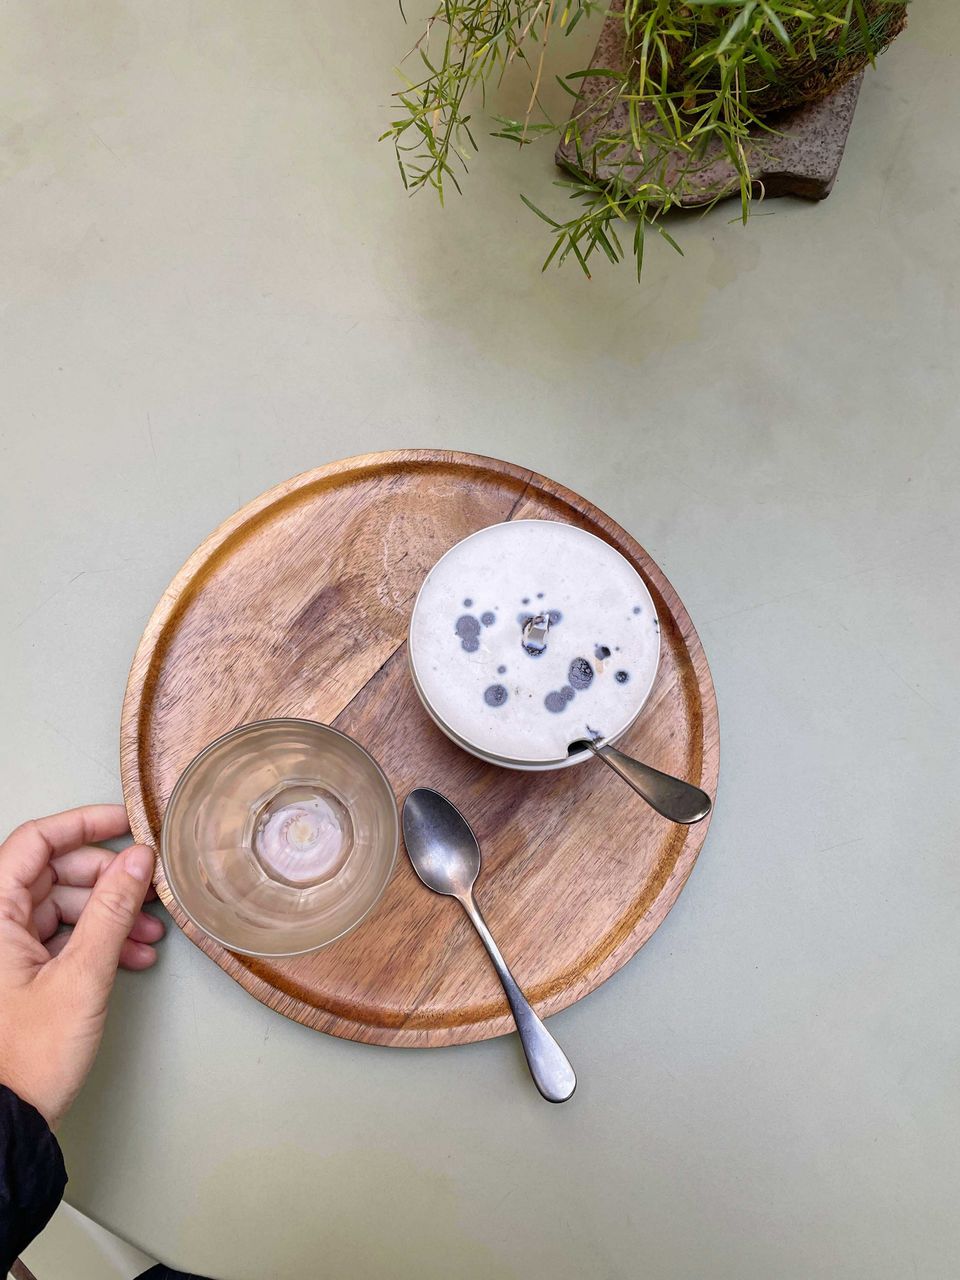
<point>446,856</point>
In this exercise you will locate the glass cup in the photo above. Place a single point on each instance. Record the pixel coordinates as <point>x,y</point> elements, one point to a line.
<point>280,837</point>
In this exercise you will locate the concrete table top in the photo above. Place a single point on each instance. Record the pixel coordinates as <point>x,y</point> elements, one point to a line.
<point>211,281</point>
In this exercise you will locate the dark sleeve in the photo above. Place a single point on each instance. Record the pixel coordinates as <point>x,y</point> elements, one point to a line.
<point>32,1176</point>
<point>160,1272</point>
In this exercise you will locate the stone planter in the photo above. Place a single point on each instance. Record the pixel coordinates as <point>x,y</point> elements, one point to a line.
<point>809,112</point>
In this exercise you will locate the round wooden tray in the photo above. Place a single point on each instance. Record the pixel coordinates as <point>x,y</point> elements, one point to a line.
<point>298,606</point>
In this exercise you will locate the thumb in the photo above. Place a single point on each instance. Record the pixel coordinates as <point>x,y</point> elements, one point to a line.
<point>110,913</point>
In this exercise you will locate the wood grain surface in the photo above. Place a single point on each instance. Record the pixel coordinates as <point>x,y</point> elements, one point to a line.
<point>298,605</point>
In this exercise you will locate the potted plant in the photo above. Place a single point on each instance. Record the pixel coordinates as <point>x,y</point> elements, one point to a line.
<point>691,85</point>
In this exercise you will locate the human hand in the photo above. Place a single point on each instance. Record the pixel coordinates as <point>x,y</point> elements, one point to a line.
<point>54,987</point>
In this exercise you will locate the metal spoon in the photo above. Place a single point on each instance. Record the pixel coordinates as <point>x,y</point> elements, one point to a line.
<point>446,857</point>
<point>677,800</point>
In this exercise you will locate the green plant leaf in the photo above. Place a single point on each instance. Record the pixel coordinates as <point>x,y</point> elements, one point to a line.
<point>689,92</point>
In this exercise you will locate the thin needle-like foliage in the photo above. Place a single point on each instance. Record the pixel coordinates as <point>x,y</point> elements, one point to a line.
<point>696,83</point>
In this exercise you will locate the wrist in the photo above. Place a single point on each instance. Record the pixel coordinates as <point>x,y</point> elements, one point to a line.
<point>10,1080</point>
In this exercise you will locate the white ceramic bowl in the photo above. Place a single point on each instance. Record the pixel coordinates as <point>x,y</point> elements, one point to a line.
<point>602,605</point>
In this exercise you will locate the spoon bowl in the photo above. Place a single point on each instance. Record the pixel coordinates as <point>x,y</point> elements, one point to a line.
<point>442,847</point>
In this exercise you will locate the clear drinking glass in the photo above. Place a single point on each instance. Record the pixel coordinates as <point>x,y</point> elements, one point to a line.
<point>280,837</point>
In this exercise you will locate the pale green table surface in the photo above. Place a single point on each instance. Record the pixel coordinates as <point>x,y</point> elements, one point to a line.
<point>211,281</point>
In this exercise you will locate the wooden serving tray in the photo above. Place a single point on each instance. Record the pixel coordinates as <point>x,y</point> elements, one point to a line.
<point>298,605</point>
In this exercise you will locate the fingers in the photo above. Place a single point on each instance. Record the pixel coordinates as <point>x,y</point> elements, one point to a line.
<point>82,867</point>
<point>65,904</point>
<point>135,956</point>
<point>109,915</point>
<point>16,905</point>
<point>147,928</point>
<point>28,850</point>
<point>46,919</point>
<point>42,885</point>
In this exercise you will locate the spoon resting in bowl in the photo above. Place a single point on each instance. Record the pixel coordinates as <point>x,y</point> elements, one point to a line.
<point>672,797</point>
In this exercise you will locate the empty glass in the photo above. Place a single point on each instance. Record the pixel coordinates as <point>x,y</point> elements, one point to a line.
<point>279,837</point>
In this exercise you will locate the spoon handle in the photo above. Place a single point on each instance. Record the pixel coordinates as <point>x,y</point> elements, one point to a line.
<point>677,800</point>
<point>552,1073</point>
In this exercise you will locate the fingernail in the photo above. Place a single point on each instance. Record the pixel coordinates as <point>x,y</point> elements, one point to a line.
<point>138,862</point>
